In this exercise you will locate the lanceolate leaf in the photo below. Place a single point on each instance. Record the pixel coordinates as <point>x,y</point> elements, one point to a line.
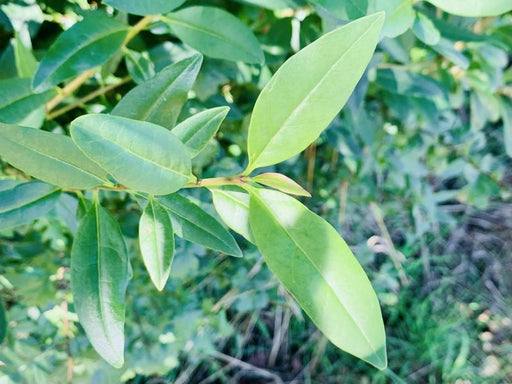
<point>160,99</point>
<point>26,63</point>
<point>474,8</point>
<point>233,209</point>
<point>196,131</point>
<point>23,203</point>
<point>99,277</point>
<point>19,105</point>
<point>87,44</point>
<point>293,109</point>
<point>316,266</point>
<point>3,322</point>
<point>192,223</point>
<point>142,156</point>
<point>50,157</point>
<point>140,67</point>
<point>216,33</point>
<point>282,183</point>
<point>156,239</point>
<point>145,7</point>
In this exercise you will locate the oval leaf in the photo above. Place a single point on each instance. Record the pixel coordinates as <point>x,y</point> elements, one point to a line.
<point>99,277</point>
<point>196,131</point>
<point>24,203</point>
<point>474,8</point>
<point>192,223</point>
<point>301,247</point>
<point>160,99</point>
<point>50,157</point>
<point>293,109</point>
<point>281,183</point>
<point>142,156</point>
<point>216,33</point>
<point>156,239</point>
<point>87,44</point>
<point>145,7</point>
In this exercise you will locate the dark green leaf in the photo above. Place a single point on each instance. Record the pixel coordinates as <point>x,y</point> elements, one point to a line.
<point>3,322</point>
<point>145,7</point>
<point>408,83</point>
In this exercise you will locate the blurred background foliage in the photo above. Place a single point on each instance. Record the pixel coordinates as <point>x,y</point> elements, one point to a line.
<point>415,173</point>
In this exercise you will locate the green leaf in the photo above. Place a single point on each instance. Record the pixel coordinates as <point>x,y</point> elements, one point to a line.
<point>196,131</point>
<point>425,30</point>
<point>293,109</point>
<point>344,9</point>
<point>281,183</point>
<point>142,156</point>
<point>26,63</point>
<point>404,82</point>
<point>192,223</point>
<point>99,277</point>
<point>145,7</point>
<point>139,66</point>
<point>50,157</point>
<point>399,16</point>
<point>317,267</point>
<point>19,105</point>
<point>24,203</point>
<point>156,239</point>
<point>87,44</point>
<point>160,99</point>
<point>3,322</point>
<point>474,8</point>
<point>216,33</point>
<point>233,209</point>
<point>506,116</point>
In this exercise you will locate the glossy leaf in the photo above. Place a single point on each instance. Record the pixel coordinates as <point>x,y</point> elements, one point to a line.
<point>299,247</point>
<point>474,8</point>
<point>99,277</point>
<point>3,322</point>
<point>281,183</point>
<point>216,33</point>
<point>160,99</point>
<point>233,209</point>
<point>196,131</point>
<point>293,109</point>
<point>145,7</point>
<point>87,44</point>
<point>19,105</point>
<point>192,223</point>
<point>24,203</point>
<point>425,30</point>
<point>49,157</point>
<point>142,156</point>
<point>156,239</point>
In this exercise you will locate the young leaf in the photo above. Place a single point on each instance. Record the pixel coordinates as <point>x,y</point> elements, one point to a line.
<point>233,209</point>
<point>145,7</point>
<point>142,156</point>
<point>160,99</point>
<point>316,266</point>
<point>50,157</point>
<point>192,223</point>
<point>99,277</point>
<point>19,105</point>
<point>24,203</point>
<point>216,33</point>
<point>196,131</point>
<point>139,66</point>
<point>26,63</point>
<point>474,8</point>
<point>3,322</point>
<point>281,183</point>
<point>156,239</point>
<point>293,109</point>
<point>87,44</point>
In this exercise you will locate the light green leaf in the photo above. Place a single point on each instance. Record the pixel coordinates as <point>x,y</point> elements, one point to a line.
<point>142,156</point>
<point>474,8</point>
<point>293,109</point>
<point>192,223</point>
<point>50,157</point>
<point>399,16</point>
<point>3,322</point>
<point>139,66</point>
<point>156,239</point>
<point>24,203</point>
<point>506,116</point>
<point>233,209</point>
<point>87,44</point>
<point>19,105</point>
<point>145,7</point>
<point>281,183</point>
<point>344,9</point>
<point>425,30</point>
<point>160,99</point>
<point>196,131</point>
<point>99,277</point>
<point>216,33</point>
<point>317,267</point>
<point>26,63</point>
